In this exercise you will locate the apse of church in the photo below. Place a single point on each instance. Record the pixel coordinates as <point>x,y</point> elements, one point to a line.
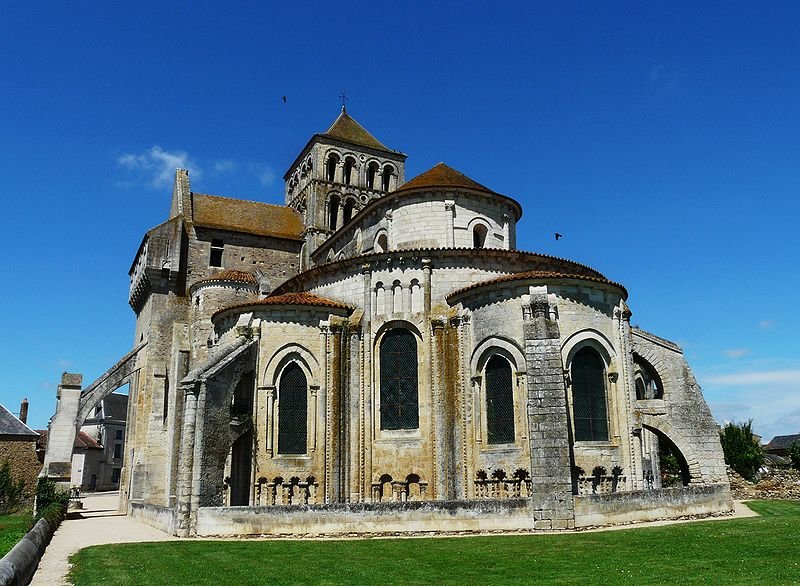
<point>378,343</point>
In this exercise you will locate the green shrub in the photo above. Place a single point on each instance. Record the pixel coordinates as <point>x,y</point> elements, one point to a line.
<point>51,502</point>
<point>11,491</point>
<point>794,454</point>
<point>742,451</point>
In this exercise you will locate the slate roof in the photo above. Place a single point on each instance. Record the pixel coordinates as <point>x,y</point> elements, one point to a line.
<point>116,406</point>
<point>11,426</point>
<point>782,442</point>
<point>443,176</point>
<point>346,129</point>
<point>250,217</point>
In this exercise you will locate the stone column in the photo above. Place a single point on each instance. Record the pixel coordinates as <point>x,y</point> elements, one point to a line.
<point>313,391</point>
<point>551,479</point>
<point>450,210</point>
<point>186,467</point>
<point>270,423</point>
<point>427,269</point>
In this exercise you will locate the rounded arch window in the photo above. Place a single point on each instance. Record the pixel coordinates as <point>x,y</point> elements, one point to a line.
<point>589,409</point>
<point>398,385</point>
<point>330,167</point>
<point>386,176</point>
<point>333,211</point>
<point>347,212</point>
<point>292,411</point>
<point>499,401</point>
<point>372,173</point>
<point>382,243</point>
<point>349,167</point>
<point>479,236</point>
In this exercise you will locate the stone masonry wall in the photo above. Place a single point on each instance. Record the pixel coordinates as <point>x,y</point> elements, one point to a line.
<point>25,465</point>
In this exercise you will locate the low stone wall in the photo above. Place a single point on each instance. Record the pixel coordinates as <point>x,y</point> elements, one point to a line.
<point>18,565</point>
<point>372,518</point>
<point>651,505</point>
<point>161,518</point>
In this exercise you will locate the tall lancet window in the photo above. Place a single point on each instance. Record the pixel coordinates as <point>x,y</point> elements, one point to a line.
<point>399,393</point>
<point>499,401</point>
<point>292,411</point>
<point>589,410</point>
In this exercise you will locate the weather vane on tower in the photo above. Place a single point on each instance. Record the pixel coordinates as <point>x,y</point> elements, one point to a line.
<point>344,98</point>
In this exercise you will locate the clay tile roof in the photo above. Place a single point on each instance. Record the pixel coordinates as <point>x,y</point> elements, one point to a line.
<point>302,298</point>
<point>443,176</point>
<point>346,129</point>
<point>250,217</point>
<point>231,275</point>
<point>84,440</point>
<point>536,275</point>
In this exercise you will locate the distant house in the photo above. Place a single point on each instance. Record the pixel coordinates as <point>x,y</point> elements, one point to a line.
<point>87,455</point>
<point>106,426</point>
<point>18,447</point>
<point>779,445</point>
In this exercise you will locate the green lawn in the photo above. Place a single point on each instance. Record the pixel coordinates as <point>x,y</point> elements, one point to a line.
<point>12,528</point>
<point>761,550</point>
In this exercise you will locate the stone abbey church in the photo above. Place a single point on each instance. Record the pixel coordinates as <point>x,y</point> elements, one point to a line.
<point>377,356</point>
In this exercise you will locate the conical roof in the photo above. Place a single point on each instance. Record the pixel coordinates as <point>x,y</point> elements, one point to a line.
<point>443,176</point>
<point>346,129</point>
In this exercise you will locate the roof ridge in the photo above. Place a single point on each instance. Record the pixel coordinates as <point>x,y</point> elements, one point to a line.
<point>263,203</point>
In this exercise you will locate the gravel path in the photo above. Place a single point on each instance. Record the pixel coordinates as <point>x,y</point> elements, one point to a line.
<point>96,524</point>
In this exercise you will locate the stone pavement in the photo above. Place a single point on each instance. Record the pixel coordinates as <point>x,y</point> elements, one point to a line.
<point>96,524</point>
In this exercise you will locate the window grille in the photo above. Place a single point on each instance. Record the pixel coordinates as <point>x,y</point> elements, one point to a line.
<point>589,396</point>
<point>292,411</point>
<point>499,401</point>
<point>399,393</point>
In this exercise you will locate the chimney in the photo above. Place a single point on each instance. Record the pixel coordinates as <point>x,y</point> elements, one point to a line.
<point>23,411</point>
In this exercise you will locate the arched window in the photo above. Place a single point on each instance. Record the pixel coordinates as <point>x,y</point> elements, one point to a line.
<point>589,396</point>
<point>330,168</point>
<point>348,211</point>
<point>333,212</point>
<point>499,401</point>
<point>399,394</point>
<point>382,243</point>
<point>349,165</point>
<point>372,172</point>
<point>640,390</point>
<point>479,236</point>
<point>386,176</point>
<point>292,411</point>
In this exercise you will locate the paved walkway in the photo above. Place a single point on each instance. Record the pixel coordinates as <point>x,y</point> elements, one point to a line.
<point>96,524</point>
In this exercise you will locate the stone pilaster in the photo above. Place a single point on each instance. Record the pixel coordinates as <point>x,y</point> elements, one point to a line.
<point>551,482</point>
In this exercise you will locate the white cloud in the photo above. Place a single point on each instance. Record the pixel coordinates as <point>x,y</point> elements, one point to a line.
<point>736,352</point>
<point>766,324</point>
<point>156,166</point>
<point>754,378</point>
<point>771,398</point>
<point>225,166</point>
<point>264,173</point>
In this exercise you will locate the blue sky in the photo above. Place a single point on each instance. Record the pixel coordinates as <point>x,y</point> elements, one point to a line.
<point>662,140</point>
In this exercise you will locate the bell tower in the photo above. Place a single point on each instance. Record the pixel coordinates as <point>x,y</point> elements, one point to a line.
<point>338,173</point>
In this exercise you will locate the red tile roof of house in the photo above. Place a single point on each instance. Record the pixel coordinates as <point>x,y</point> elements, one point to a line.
<point>536,275</point>
<point>230,275</point>
<point>302,298</point>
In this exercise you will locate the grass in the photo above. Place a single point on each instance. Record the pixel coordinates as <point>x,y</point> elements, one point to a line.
<point>12,528</point>
<point>757,550</point>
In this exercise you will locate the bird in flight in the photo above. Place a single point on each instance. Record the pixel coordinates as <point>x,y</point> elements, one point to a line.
<point>284,99</point>
<point>557,235</point>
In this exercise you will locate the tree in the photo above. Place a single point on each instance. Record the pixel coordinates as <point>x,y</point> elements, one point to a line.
<point>794,454</point>
<point>742,450</point>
